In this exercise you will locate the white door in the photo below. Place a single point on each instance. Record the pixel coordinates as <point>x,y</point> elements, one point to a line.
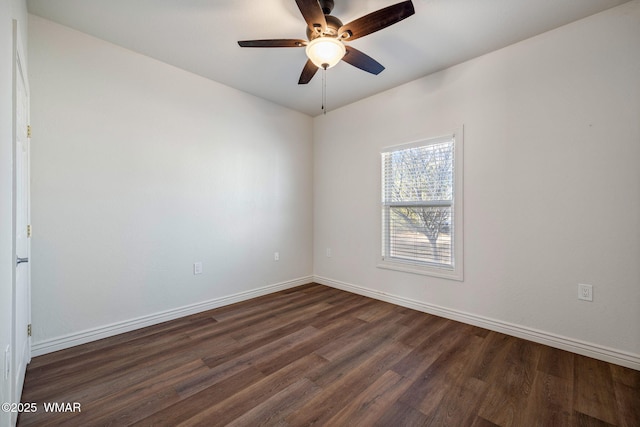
<point>22,288</point>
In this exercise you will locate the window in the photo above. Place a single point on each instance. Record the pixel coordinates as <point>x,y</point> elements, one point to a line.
<point>422,207</point>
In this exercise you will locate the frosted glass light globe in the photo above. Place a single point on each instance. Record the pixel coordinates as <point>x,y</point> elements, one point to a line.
<point>325,50</point>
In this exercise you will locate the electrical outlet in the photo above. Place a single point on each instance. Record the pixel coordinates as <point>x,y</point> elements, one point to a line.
<point>276,256</point>
<point>329,253</point>
<point>197,267</point>
<point>585,292</point>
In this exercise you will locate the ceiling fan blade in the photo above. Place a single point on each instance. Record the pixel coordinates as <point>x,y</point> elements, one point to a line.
<point>362,61</point>
<point>313,14</point>
<point>273,43</point>
<point>377,20</point>
<point>308,72</point>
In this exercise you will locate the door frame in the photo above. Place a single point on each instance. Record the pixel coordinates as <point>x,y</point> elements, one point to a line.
<point>19,77</point>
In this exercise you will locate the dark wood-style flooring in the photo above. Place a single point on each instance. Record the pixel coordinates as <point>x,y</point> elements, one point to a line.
<point>314,355</point>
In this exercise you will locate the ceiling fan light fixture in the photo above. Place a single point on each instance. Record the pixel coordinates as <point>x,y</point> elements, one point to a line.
<point>325,52</point>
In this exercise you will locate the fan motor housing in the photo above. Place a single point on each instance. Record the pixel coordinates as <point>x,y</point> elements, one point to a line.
<point>333,25</point>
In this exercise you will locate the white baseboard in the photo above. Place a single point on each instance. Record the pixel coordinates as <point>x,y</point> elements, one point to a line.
<point>595,351</point>
<point>82,337</point>
<point>606,354</point>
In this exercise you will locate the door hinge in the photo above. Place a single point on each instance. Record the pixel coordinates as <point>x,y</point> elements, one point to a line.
<point>29,230</point>
<point>29,329</point>
<point>28,131</point>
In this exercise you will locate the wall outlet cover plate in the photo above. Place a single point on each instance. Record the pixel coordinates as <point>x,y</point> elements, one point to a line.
<point>585,292</point>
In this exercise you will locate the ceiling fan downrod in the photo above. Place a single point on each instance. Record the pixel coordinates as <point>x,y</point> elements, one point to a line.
<point>327,6</point>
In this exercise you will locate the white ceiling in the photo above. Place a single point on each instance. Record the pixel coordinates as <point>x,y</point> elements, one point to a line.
<point>200,36</point>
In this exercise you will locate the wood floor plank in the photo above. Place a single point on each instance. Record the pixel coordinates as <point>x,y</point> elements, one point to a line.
<point>556,362</point>
<point>357,353</point>
<point>340,391</point>
<point>365,408</point>
<point>362,337</point>
<point>460,404</point>
<point>511,384</point>
<point>234,365</point>
<point>137,402</point>
<point>94,390</point>
<point>314,355</point>
<point>167,328</point>
<point>550,401</point>
<point>274,345</point>
<point>626,376</point>
<point>437,339</point>
<point>330,333</point>
<point>428,391</point>
<point>491,356</point>
<point>401,414</point>
<point>419,327</point>
<point>126,404</point>
<point>377,312</point>
<point>481,422</point>
<point>351,311</point>
<point>628,405</point>
<point>235,406</point>
<point>593,386</point>
<point>275,409</point>
<point>58,370</point>
<point>195,403</point>
<point>584,420</point>
<point>101,370</point>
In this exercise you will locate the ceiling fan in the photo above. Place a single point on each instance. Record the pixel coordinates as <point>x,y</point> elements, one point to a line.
<point>326,36</point>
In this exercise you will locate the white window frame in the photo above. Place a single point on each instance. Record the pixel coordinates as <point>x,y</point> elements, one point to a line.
<point>457,271</point>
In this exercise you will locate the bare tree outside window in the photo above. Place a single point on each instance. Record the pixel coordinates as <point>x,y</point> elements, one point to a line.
<point>418,203</point>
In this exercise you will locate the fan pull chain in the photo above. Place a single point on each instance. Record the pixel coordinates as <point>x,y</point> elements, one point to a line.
<point>324,88</point>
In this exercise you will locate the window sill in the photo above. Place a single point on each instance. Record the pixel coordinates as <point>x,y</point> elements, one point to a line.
<point>424,271</point>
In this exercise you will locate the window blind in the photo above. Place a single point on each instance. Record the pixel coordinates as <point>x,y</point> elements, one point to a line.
<point>418,203</point>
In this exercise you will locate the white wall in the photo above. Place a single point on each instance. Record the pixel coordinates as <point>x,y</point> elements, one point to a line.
<point>140,169</point>
<point>552,186</point>
<point>9,10</point>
